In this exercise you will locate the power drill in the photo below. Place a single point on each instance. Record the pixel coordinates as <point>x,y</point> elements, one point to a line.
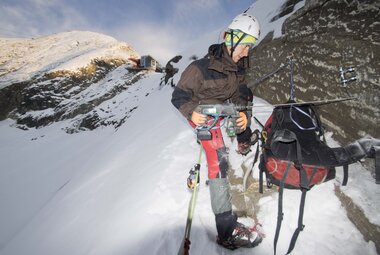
<point>216,111</point>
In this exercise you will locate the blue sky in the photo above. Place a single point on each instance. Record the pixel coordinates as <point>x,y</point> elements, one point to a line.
<point>158,27</point>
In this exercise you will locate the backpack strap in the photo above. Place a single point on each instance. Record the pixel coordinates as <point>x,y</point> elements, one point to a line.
<point>377,164</point>
<point>286,136</point>
<point>345,175</point>
<point>301,226</point>
<point>262,169</point>
<point>289,139</point>
<point>280,214</point>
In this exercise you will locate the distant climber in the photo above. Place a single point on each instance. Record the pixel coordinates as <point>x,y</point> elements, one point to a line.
<point>170,71</point>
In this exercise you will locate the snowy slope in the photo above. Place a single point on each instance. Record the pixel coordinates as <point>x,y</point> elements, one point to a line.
<point>23,59</point>
<point>123,191</point>
<point>107,192</point>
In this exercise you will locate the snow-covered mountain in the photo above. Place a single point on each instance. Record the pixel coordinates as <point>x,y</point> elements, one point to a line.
<point>121,189</point>
<point>25,59</point>
<point>72,75</point>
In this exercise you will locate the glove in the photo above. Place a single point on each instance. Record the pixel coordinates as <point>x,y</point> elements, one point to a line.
<point>242,121</point>
<point>198,119</point>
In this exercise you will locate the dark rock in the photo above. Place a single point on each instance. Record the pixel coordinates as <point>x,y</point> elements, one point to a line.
<point>56,96</point>
<point>322,37</point>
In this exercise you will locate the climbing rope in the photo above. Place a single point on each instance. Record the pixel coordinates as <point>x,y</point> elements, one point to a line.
<point>185,245</point>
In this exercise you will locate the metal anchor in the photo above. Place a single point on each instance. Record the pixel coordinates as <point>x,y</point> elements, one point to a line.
<point>347,75</point>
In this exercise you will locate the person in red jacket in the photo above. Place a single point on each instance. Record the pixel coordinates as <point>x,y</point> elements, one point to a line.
<point>215,79</point>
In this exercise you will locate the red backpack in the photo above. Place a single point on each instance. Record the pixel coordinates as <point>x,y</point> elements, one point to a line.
<point>296,156</point>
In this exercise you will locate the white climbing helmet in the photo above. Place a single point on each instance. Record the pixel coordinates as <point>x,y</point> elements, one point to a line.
<point>247,24</point>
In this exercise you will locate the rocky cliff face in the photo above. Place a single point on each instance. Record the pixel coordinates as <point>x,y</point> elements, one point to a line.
<point>77,76</point>
<point>59,96</point>
<point>322,37</point>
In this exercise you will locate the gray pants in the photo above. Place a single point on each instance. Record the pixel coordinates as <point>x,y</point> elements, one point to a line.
<point>221,206</point>
<point>220,195</point>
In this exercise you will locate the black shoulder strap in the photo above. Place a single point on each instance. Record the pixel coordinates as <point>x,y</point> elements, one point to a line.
<point>300,226</point>
<point>304,186</point>
<point>280,214</point>
<point>377,164</point>
<point>261,171</point>
<point>345,175</point>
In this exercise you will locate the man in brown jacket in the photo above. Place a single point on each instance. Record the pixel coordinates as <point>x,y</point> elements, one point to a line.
<point>215,79</point>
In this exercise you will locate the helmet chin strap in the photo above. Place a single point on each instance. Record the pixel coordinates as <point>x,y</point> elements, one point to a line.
<point>231,32</point>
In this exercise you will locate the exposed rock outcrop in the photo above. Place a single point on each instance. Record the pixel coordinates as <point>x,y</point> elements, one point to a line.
<point>322,37</point>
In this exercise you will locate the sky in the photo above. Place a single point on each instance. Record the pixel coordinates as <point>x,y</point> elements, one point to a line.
<point>160,28</point>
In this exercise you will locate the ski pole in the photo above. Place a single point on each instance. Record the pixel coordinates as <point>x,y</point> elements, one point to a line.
<point>185,245</point>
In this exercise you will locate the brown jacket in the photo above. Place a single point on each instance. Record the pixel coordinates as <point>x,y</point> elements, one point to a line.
<point>211,80</point>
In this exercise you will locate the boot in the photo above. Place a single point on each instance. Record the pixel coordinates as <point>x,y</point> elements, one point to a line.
<point>242,237</point>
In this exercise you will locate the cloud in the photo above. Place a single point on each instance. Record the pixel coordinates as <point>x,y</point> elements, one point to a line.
<point>167,33</point>
<point>152,39</point>
<point>160,28</point>
<point>38,17</point>
<point>186,9</point>
<point>197,15</point>
<point>167,30</point>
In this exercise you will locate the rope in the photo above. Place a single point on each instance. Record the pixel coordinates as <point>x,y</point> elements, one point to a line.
<point>268,75</point>
<point>185,245</point>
